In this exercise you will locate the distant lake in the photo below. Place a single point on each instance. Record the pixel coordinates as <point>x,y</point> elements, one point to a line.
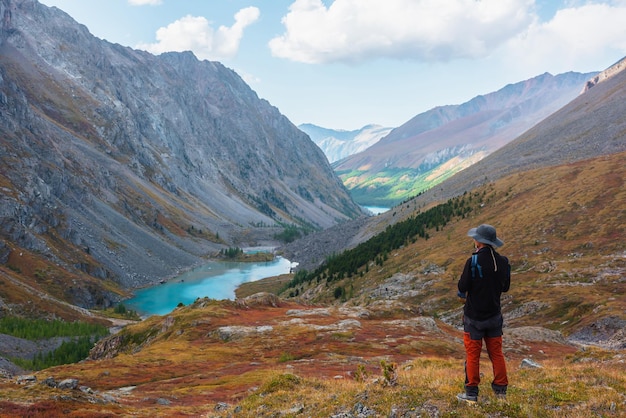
<point>376,209</point>
<point>216,280</point>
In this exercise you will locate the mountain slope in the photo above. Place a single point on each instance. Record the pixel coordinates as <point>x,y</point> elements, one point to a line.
<point>436,144</point>
<point>341,144</point>
<point>590,125</point>
<point>129,167</point>
<point>562,227</point>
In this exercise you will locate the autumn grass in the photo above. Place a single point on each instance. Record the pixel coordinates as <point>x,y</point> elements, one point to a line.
<point>429,386</point>
<point>314,370</point>
<point>271,285</point>
<point>563,229</point>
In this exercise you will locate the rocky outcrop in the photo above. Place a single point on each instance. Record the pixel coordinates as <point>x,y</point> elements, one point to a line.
<point>608,332</point>
<point>606,74</point>
<point>260,299</point>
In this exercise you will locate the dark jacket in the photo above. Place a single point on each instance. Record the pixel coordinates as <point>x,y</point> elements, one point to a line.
<point>483,294</point>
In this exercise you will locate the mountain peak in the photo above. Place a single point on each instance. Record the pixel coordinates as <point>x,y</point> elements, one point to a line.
<point>339,144</point>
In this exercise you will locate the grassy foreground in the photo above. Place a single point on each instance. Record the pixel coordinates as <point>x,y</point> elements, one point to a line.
<point>575,387</point>
<point>589,386</point>
<point>277,358</point>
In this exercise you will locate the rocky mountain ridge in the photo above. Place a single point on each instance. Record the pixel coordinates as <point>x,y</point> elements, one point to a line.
<point>438,143</point>
<point>606,74</point>
<point>130,167</point>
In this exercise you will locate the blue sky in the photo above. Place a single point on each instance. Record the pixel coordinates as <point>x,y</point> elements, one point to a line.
<point>343,64</point>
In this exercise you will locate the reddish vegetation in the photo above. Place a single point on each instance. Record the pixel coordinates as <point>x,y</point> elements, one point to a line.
<point>190,365</point>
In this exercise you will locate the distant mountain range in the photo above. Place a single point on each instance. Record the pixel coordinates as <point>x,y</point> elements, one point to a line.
<point>339,144</point>
<point>591,125</point>
<point>436,144</point>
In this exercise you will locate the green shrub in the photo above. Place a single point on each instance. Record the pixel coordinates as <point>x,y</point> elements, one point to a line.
<point>38,329</point>
<point>68,352</point>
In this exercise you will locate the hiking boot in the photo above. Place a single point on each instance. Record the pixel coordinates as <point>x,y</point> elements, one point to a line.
<point>464,397</point>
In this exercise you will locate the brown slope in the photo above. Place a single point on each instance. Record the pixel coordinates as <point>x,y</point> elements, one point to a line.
<point>563,228</point>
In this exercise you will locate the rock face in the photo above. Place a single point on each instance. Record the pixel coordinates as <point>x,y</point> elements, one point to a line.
<point>131,167</point>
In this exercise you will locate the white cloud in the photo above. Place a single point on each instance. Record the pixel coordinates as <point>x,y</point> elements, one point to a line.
<point>576,38</point>
<point>144,2</point>
<point>440,30</point>
<point>195,34</point>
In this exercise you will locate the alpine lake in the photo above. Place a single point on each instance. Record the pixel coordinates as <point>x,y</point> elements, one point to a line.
<point>215,280</point>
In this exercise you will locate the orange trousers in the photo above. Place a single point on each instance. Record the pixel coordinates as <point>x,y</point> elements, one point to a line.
<point>473,348</point>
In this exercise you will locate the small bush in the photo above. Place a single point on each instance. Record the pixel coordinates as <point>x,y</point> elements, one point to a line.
<point>71,351</point>
<point>390,373</point>
<point>285,357</point>
<point>286,381</point>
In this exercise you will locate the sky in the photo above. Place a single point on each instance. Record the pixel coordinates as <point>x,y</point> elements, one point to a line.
<point>344,64</point>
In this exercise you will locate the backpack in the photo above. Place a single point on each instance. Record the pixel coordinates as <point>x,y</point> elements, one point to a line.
<point>475,266</point>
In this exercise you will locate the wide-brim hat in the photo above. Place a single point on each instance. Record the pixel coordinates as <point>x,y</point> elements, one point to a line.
<point>485,234</point>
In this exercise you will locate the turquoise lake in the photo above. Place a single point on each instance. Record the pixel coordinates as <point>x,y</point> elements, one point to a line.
<point>216,280</point>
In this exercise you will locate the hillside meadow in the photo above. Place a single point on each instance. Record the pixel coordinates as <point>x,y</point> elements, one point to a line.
<point>392,345</point>
<point>563,229</point>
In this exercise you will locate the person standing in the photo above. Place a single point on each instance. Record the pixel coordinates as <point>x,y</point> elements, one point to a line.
<point>485,276</point>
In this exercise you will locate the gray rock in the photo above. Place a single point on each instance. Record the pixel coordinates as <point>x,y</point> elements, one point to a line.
<point>530,364</point>
<point>50,382</point>
<point>221,406</point>
<point>296,409</point>
<point>25,379</point>
<point>68,384</point>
